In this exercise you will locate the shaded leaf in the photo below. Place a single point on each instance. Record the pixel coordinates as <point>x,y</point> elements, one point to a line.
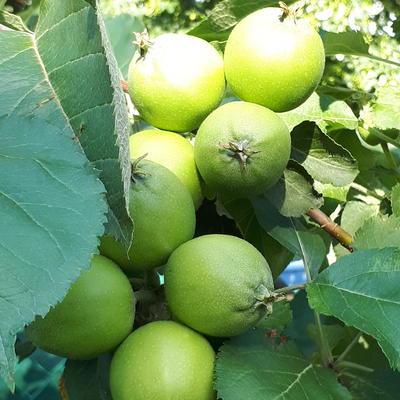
<point>277,256</point>
<point>361,290</point>
<point>324,111</point>
<point>291,233</point>
<point>253,367</point>
<point>378,232</point>
<point>88,379</point>
<point>279,319</point>
<point>294,193</point>
<point>333,334</point>
<point>382,384</point>
<point>322,158</point>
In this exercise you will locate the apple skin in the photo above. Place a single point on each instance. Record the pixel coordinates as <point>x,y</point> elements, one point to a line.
<point>95,316</point>
<point>274,63</point>
<point>163,360</point>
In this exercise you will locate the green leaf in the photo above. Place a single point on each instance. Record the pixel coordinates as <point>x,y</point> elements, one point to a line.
<point>66,67</point>
<point>354,214</point>
<point>225,15</point>
<point>88,379</point>
<point>334,334</point>
<point>12,21</point>
<point>383,111</point>
<point>294,193</point>
<point>396,200</point>
<point>322,158</point>
<point>51,213</point>
<point>382,384</point>
<point>378,232</point>
<point>349,43</point>
<point>291,233</point>
<point>324,110</point>
<point>277,256</point>
<point>120,30</point>
<point>279,319</point>
<point>361,290</point>
<point>253,367</point>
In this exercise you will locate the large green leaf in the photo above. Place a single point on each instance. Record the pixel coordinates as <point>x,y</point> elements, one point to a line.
<point>349,43</point>
<point>323,159</point>
<point>52,210</point>
<point>294,194</point>
<point>278,256</point>
<point>362,291</point>
<point>378,232</point>
<point>291,233</point>
<point>324,111</point>
<point>66,63</point>
<point>225,15</point>
<point>253,366</point>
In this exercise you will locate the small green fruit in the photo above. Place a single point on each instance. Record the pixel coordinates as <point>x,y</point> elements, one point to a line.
<point>173,152</point>
<point>164,217</point>
<point>216,284</point>
<point>163,360</point>
<point>274,61</point>
<point>176,82</point>
<point>242,149</point>
<point>95,316</point>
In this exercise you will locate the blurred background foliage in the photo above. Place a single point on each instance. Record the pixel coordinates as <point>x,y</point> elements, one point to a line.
<point>38,375</point>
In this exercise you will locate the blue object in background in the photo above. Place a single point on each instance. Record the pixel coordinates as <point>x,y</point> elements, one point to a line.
<point>294,273</point>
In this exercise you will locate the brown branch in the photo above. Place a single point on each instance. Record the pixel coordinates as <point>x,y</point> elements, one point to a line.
<point>332,228</point>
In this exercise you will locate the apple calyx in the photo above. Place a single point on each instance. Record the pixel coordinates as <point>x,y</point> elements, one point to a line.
<point>142,40</point>
<point>240,150</point>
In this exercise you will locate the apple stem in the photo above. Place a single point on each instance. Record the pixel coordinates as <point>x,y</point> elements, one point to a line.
<point>240,150</point>
<point>136,171</point>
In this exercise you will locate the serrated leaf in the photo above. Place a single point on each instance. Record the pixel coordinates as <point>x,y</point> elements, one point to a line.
<point>395,199</point>
<point>322,158</point>
<point>291,233</point>
<point>383,111</point>
<point>378,232</point>
<point>66,67</point>
<point>324,111</point>
<point>120,30</point>
<point>253,367</point>
<point>225,15</point>
<point>279,319</point>
<point>88,379</point>
<point>361,290</point>
<point>294,193</point>
<point>51,213</point>
<point>241,210</point>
